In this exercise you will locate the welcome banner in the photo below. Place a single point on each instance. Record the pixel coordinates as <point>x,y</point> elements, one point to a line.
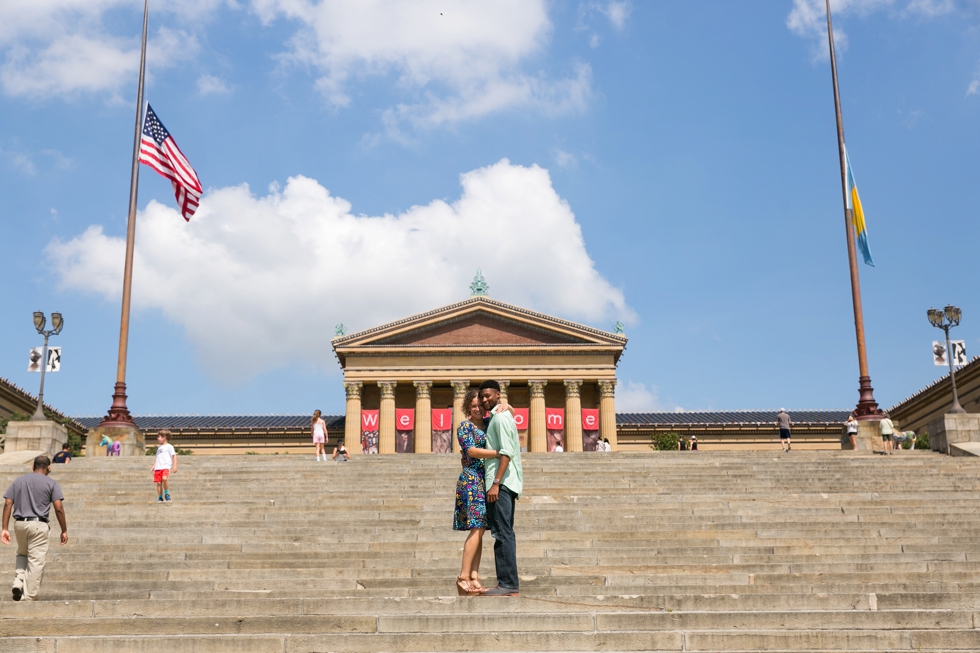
<point>590,428</point>
<point>404,430</point>
<point>369,431</point>
<point>555,423</point>
<point>442,430</point>
<point>523,420</point>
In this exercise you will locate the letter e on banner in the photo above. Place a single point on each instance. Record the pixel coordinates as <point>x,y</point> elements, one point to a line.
<point>404,419</point>
<point>555,418</point>
<point>442,419</point>
<point>590,419</point>
<point>369,420</point>
<point>521,418</point>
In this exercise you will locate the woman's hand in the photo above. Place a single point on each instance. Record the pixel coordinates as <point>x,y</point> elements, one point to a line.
<point>503,405</point>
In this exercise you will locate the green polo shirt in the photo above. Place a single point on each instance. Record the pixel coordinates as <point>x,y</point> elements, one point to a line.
<point>502,437</point>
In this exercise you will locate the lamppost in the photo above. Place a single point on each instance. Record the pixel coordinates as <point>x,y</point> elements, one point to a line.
<point>39,321</point>
<point>946,319</point>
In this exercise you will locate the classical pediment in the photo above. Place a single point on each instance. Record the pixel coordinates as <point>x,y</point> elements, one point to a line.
<point>477,322</point>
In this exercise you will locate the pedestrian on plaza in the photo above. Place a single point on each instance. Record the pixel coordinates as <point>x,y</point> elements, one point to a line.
<point>164,465</point>
<point>694,443</point>
<point>63,456</point>
<point>783,423</point>
<point>887,430</point>
<point>30,498</point>
<point>504,489</point>
<point>318,428</point>
<point>604,446</point>
<point>681,444</point>
<point>851,428</point>
<point>340,452</point>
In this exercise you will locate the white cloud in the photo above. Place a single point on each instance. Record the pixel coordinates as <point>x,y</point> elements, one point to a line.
<point>565,159</point>
<point>973,88</point>
<point>617,12</point>
<point>808,18</point>
<point>453,61</point>
<point>64,47</point>
<point>26,162</point>
<point>632,397</point>
<point>209,84</point>
<point>277,272</point>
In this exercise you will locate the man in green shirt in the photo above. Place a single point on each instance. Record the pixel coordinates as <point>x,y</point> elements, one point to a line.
<point>504,481</point>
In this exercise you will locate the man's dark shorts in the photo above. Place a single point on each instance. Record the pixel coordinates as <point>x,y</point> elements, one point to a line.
<point>886,436</point>
<point>784,434</point>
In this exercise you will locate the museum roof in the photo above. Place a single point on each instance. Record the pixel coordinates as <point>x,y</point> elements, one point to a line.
<point>265,422</point>
<point>728,417</point>
<point>941,380</point>
<point>29,402</point>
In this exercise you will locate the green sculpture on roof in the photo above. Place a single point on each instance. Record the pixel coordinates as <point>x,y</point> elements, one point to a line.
<point>340,330</point>
<point>619,327</point>
<point>479,287</point>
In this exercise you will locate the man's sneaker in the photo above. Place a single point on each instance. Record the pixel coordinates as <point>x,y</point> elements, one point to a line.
<point>17,592</point>
<point>166,497</point>
<point>501,591</point>
<point>159,499</point>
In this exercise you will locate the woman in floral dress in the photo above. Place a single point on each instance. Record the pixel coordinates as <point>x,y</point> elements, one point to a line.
<point>471,498</point>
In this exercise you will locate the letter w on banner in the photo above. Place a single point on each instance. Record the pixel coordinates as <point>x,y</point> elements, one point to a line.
<point>369,431</point>
<point>442,430</point>
<point>555,422</point>
<point>590,428</point>
<point>369,420</point>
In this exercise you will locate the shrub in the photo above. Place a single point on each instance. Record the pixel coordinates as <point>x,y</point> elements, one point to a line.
<point>664,441</point>
<point>922,440</point>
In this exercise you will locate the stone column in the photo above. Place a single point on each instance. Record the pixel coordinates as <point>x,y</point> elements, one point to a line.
<point>459,413</point>
<point>352,419</point>
<point>573,416</point>
<point>537,435</point>
<point>504,385</point>
<point>607,412</point>
<point>423,416</point>
<point>386,421</point>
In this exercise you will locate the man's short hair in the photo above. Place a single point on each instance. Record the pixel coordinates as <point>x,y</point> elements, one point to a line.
<point>66,446</point>
<point>164,433</point>
<point>42,462</point>
<point>490,383</point>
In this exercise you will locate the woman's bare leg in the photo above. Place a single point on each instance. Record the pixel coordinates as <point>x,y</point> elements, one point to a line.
<point>475,570</point>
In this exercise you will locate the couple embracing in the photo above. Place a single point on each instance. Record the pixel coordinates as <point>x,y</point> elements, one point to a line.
<point>487,489</point>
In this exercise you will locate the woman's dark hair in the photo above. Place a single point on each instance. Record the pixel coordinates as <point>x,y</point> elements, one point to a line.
<point>471,394</point>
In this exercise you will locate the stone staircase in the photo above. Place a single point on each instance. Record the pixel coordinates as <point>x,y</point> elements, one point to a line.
<point>707,551</point>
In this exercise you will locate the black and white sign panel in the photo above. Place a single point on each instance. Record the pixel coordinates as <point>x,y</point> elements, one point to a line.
<point>939,354</point>
<point>54,359</point>
<point>959,352</point>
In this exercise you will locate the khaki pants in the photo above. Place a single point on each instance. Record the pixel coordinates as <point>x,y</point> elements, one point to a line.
<point>32,549</point>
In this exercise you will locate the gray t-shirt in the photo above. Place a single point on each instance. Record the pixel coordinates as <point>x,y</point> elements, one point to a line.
<point>33,494</point>
<point>782,419</point>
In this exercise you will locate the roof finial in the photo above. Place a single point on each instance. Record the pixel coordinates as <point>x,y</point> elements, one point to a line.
<point>479,287</point>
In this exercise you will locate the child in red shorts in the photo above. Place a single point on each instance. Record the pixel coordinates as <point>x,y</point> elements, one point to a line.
<point>166,462</point>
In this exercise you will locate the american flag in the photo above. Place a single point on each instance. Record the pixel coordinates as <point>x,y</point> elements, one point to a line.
<point>159,151</point>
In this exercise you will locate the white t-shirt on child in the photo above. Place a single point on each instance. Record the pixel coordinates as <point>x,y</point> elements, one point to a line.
<point>165,457</point>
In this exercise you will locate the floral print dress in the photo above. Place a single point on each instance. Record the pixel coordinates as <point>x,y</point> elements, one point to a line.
<point>471,496</point>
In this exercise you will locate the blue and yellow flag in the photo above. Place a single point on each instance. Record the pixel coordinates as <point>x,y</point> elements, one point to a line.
<point>857,212</point>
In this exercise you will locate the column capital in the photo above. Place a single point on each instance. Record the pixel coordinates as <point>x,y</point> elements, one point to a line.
<point>422,388</point>
<point>353,389</point>
<point>607,387</point>
<point>460,388</point>
<point>537,387</point>
<point>387,389</point>
<point>573,388</point>
<point>504,385</point>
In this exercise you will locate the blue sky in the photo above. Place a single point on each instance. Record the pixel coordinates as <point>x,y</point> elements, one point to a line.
<point>671,165</point>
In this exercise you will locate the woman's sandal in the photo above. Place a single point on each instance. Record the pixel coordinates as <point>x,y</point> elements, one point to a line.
<point>463,586</point>
<point>475,585</point>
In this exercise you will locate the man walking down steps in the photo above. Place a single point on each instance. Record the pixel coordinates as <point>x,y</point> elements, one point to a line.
<point>30,498</point>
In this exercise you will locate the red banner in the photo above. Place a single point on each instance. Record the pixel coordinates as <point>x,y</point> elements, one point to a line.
<point>554,419</point>
<point>442,419</point>
<point>522,418</point>
<point>369,420</point>
<point>404,419</point>
<point>590,419</point>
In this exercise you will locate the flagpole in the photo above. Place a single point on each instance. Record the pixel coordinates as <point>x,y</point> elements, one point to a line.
<point>867,407</point>
<point>118,412</point>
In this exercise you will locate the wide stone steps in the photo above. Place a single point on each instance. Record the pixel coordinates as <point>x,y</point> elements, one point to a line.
<point>713,551</point>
